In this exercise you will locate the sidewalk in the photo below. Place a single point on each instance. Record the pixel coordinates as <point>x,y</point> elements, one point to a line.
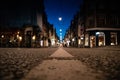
<point>62,69</point>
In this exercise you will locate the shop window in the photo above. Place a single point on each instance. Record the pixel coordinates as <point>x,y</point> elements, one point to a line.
<point>86,40</point>
<point>92,41</point>
<point>113,38</point>
<point>101,38</point>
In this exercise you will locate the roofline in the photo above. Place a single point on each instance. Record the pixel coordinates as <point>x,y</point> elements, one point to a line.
<point>104,29</point>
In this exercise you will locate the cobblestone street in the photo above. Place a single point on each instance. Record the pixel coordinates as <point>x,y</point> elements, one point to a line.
<point>60,63</point>
<point>62,69</point>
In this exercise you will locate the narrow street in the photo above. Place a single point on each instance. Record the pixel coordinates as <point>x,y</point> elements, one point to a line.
<point>59,40</point>
<point>62,66</point>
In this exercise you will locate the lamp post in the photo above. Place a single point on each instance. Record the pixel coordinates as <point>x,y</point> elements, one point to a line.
<point>20,39</point>
<point>33,40</point>
<point>2,40</point>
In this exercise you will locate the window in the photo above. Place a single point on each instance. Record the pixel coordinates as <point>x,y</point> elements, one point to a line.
<point>111,20</point>
<point>100,20</point>
<point>113,38</point>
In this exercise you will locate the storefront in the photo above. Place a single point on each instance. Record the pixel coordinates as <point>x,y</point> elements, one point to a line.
<point>103,37</point>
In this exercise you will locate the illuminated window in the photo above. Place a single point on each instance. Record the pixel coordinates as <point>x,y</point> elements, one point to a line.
<point>113,38</point>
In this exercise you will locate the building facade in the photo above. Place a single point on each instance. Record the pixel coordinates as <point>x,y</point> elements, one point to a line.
<point>30,19</point>
<point>96,24</point>
<point>101,22</point>
<point>10,37</point>
<point>75,34</point>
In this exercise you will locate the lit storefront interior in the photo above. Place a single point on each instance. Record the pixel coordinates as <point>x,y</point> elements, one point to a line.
<point>113,40</point>
<point>102,38</point>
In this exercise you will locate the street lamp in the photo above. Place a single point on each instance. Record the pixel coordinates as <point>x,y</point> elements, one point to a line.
<point>33,37</point>
<point>18,32</point>
<point>73,39</point>
<point>2,39</point>
<point>2,36</point>
<point>60,18</point>
<point>20,38</point>
<point>60,30</point>
<point>81,38</point>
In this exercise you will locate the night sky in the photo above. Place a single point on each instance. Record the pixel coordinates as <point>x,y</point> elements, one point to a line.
<point>61,8</point>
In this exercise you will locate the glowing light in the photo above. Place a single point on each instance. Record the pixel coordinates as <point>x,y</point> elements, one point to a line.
<point>53,42</point>
<point>17,36</point>
<point>82,38</point>
<point>18,32</point>
<point>41,43</point>
<point>2,36</point>
<point>73,39</point>
<point>60,29</point>
<point>20,38</point>
<point>79,41</point>
<point>60,18</point>
<point>60,33</point>
<point>33,37</point>
<point>97,33</point>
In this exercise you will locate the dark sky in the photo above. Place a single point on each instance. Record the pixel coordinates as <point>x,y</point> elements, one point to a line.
<point>61,8</point>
